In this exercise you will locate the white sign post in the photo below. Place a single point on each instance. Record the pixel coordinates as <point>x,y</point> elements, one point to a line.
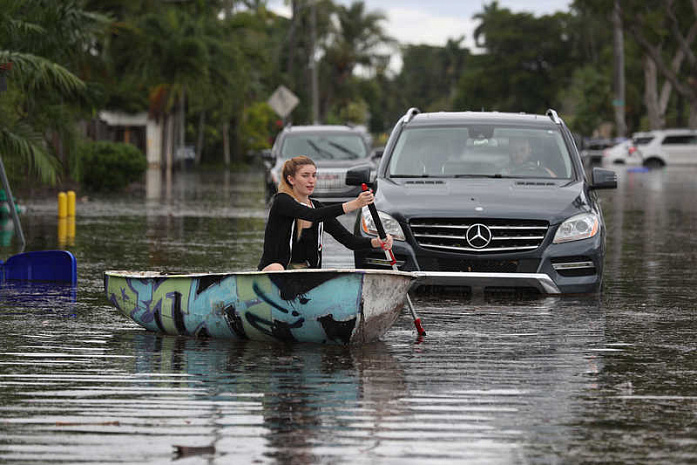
<point>283,101</point>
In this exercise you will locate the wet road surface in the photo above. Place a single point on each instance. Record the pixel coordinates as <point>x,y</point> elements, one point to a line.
<point>599,379</point>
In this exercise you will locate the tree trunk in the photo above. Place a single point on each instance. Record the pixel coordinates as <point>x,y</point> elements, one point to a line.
<point>295,17</point>
<point>618,47</point>
<point>226,143</point>
<point>693,115</point>
<point>657,104</point>
<point>182,129</point>
<point>314,85</point>
<point>235,145</point>
<point>683,86</point>
<point>651,95</point>
<point>679,112</point>
<point>168,141</point>
<point>199,139</point>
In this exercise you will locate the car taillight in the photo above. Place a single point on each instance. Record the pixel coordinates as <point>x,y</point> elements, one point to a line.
<point>631,149</point>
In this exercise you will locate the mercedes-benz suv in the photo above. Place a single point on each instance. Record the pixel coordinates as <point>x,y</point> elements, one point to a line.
<point>488,200</point>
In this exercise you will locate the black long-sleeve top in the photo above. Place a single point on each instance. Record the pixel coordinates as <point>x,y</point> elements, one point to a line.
<point>280,229</point>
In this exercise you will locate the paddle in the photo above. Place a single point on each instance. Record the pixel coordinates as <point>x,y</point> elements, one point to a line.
<point>390,256</point>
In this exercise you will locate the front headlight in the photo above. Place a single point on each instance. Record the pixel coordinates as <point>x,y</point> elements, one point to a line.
<point>577,227</point>
<point>390,224</point>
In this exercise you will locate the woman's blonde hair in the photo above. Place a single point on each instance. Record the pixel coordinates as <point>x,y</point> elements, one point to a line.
<point>290,167</point>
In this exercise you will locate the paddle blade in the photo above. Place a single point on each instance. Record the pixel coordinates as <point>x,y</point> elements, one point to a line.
<point>43,265</point>
<point>419,329</point>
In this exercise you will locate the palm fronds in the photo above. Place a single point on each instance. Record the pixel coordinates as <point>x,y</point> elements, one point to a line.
<point>23,142</point>
<point>37,73</point>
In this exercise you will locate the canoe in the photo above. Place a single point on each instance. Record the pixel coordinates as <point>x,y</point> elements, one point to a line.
<point>320,306</point>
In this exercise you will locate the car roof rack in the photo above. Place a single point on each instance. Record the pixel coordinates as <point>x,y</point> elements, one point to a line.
<point>409,115</point>
<point>553,116</point>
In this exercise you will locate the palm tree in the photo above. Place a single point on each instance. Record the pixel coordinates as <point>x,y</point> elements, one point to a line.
<point>358,40</point>
<point>32,40</point>
<point>164,52</point>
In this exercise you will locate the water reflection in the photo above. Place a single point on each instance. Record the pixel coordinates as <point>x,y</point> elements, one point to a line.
<point>153,184</point>
<point>7,231</point>
<point>249,401</point>
<point>506,381</point>
<point>650,227</point>
<point>33,297</point>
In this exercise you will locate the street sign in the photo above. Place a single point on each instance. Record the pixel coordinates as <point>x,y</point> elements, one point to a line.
<point>283,101</point>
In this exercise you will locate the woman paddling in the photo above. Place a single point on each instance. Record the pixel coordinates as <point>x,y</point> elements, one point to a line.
<point>293,237</point>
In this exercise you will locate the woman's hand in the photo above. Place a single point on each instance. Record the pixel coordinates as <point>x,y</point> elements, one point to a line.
<point>363,199</point>
<point>377,243</point>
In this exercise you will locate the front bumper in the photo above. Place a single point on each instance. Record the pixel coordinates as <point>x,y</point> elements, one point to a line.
<point>481,282</point>
<point>569,268</point>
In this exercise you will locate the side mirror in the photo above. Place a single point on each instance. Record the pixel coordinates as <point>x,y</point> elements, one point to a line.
<point>357,176</point>
<point>377,153</point>
<point>266,155</point>
<point>603,179</point>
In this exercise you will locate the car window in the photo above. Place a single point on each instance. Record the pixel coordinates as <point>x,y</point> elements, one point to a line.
<point>479,151</point>
<point>324,146</point>
<point>679,140</point>
<point>598,144</point>
<point>642,140</point>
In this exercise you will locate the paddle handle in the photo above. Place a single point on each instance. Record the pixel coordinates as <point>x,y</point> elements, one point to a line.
<point>393,261</point>
<point>374,214</point>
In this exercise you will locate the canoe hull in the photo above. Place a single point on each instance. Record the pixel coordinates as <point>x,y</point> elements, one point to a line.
<point>320,306</point>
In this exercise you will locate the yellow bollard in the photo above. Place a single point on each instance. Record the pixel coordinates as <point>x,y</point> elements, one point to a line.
<point>71,203</point>
<point>62,231</point>
<point>70,232</point>
<point>62,205</point>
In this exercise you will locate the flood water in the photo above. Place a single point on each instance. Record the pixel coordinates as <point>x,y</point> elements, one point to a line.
<point>604,379</point>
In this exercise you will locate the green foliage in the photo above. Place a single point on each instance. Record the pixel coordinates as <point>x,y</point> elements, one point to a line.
<point>259,127</point>
<point>527,60</point>
<point>110,166</point>
<point>430,74</point>
<point>590,95</point>
<point>355,41</point>
<point>353,112</point>
<point>46,42</point>
<point>222,59</point>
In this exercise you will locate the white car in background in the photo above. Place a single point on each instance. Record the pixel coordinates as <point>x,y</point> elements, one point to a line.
<point>627,152</point>
<point>663,147</point>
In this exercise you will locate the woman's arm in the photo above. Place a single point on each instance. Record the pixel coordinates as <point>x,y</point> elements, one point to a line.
<point>288,206</point>
<point>351,241</point>
<point>345,237</point>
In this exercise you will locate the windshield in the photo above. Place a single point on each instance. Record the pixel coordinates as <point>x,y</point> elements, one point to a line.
<point>481,151</point>
<point>325,146</point>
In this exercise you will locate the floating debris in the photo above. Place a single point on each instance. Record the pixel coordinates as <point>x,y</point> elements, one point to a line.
<point>187,451</point>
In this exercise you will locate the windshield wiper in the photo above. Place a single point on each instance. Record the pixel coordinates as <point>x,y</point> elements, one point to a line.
<point>343,149</point>
<point>320,150</point>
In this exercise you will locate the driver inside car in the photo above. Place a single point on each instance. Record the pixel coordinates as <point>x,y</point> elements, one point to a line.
<point>520,161</point>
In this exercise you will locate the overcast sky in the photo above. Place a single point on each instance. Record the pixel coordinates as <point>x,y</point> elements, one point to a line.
<point>434,21</point>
